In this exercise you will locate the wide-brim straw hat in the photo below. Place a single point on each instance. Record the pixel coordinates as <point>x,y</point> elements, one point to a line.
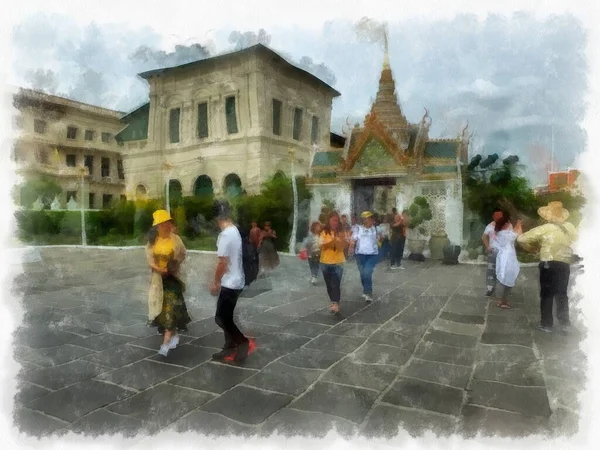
<point>161,216</point>
<point>554,212</point>
<point>366,214</point>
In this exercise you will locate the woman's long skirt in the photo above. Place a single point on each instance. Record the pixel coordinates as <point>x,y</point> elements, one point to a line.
<point>269,259</point>
<point>174,314</point>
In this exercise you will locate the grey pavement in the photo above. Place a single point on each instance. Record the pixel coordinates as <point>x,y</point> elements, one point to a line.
<point>431,353</point>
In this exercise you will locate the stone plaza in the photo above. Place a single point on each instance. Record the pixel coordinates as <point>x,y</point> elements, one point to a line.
<point>430,353</point>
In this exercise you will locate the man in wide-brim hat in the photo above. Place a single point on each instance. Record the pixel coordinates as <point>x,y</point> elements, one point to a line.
<point>553,240</point>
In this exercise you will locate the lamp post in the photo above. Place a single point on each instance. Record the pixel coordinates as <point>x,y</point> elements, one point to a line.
<point>292,248</point>
<point>83,171</point>
<point>168,168</point>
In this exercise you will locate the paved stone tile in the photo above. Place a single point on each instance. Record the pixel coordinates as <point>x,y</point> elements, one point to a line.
<point>27,392</point>
<point>520,320</point>
<point>563,422</point>
<point>162,404</point>
<point>506,353</point>
<point>142,374</point>
<point>470,307</point>
<point>514,312</point>
<point>54,356</point>
<point>566,369</point>
<point>341,344</point>
<point>457,328</point>
<point>563,392</point>
<point>104,341</point>
<point>259,359</point>
<point>353,329</point>
<point>119,356</point>
<point>369,376</point>
<point>450,339</point>
<point>311,358</point>
<point>397,326</point>
<point>201,328</point>
<point>394,340</point>
<point>430,351</point>
<point>378,312</point>
<point>282,378</point>
<point>463,318</point>
<point>418,315</point>
<point>211,377</point>
<point>210,424</point>
<point>508,328</point>
<point>525,340</point>
<point>214,340</point>
<point>281,342</point>
<point>185,355</point>
<point>496,423</point>
<point>350,403</point>
<point>306,329</point>
<point>298,309</point>
<point>57,377</point>
<point>531,401</point>
<point>247,405</point>
<point>306,424</point>
<point>510,372</point>
<point>386,421</point>
<point>102,422</point>
<point>34,423</point>
<point>44,338</point>
<point>139,330</point>
<point>75,401</point>
<point>347,309</point>
<point>441,373</point>
<point>380,354</point>
<point>424,395</point>
<point>273,319</point>
<point>255,330</point>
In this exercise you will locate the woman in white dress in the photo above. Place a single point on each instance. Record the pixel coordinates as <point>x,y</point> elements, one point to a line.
<point>507,264</point>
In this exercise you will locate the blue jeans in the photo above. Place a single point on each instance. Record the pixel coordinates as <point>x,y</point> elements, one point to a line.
<point>366,266</point>
<point>332,273</point>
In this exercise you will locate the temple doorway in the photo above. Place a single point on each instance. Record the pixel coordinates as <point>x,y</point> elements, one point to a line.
<point>373,194</point>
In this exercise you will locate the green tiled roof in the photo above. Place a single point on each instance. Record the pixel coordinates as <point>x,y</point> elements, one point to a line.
<point>441,149</point>
<point>439,169</point>
<point>325,159</point>
<point>137,125</point>
<point>323,175</point>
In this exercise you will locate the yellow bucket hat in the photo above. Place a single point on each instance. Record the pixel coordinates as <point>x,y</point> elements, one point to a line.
<point>366,214</point>
<point>554,212</point>
<point>161,216</point>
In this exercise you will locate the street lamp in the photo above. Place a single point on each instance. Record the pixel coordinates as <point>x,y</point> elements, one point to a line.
<point>292,248</point>
<point>168,168</point>
<point>83,172</point>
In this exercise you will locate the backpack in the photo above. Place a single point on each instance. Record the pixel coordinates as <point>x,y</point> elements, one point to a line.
<point>249,259</point>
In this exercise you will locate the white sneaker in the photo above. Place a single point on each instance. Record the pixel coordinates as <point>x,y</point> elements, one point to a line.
<point>164,350</point>
<point>368,299</point>
<point>174,342</point>
<point>313,281</point>
<point>401,267</point>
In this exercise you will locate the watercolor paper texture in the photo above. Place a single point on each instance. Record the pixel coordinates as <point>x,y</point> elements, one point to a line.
<point>445,112</point>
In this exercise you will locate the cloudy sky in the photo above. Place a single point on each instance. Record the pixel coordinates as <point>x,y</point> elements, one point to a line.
<point>514,78</point>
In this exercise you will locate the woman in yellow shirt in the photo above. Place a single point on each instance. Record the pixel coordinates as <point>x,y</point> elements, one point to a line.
<point>334,241</point>
<point>166,307</point>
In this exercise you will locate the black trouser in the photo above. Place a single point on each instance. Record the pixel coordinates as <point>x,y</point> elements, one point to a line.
<point>332,274</point>
<point>224,317</point>
<point>554,282</point>
<point>397,251</point>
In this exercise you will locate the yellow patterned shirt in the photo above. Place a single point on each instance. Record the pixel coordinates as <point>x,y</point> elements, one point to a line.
<point>331,255</point>
<point>553,243</point>
<point>163,250</point>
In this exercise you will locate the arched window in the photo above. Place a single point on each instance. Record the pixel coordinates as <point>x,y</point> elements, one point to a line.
<point>175,190</point>
<point>203,186</point>
<point>141,193</point>
<point>233,185</point>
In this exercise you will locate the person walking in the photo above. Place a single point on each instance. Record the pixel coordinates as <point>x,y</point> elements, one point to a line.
<point>333,243</point>
<point>507,264</point>
<point>228,284</point>
<point>366,249</point>
<point>489,241</point>
<point>165,253</point>
<point>255,233</point>
<point>313,251</point>
<point>269,258</point>
<point>398,240</point>
<point>554,242</point>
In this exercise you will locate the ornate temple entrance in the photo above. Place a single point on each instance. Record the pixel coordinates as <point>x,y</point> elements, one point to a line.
<point>372,194</point>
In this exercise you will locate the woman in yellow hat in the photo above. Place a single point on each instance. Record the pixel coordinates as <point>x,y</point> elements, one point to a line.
<point>166,307</point>
<point>553,240</point>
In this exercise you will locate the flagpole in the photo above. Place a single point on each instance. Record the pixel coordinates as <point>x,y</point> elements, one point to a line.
<point>83,233</point>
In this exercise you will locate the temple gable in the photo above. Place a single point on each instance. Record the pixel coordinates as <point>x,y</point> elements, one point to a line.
<point>374,156</point>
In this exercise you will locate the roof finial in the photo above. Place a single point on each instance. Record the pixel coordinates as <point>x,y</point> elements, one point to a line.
<point>386,57</point>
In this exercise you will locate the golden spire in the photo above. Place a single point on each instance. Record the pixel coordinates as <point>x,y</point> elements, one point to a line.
<point>386,56</point>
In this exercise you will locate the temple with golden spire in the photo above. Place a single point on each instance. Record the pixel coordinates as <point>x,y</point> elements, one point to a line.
<point>388,161</point>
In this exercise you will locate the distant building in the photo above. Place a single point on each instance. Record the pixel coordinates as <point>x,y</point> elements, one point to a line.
<point>565,181</point>
<point>58,138</point>
<point>224,125</point>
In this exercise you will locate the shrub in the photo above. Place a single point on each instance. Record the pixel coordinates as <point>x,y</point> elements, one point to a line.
<point>419,212</point>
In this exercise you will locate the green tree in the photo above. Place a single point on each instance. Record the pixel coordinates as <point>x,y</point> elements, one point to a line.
<point>35,188</point>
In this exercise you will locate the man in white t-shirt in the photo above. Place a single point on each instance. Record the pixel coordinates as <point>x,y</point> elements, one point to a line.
<point>228,285</point>
<point>490,243</point>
